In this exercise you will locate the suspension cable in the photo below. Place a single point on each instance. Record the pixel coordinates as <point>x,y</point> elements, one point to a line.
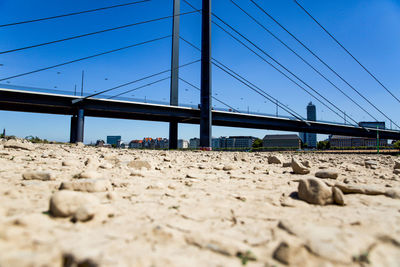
<point>347,51</point>
<point>305,61</point>
<point>92,33</point>
<point>340,116</point>
<point>277,62</point>
<point>220,101</point>
<point>137,88</point>
<point>132,82</point>
<point>84,58</point>
<point>323,62</point>
<point>71,14</point>
<point>238,77</point>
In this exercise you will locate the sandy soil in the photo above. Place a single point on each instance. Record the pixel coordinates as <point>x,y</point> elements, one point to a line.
<point>73,205</point>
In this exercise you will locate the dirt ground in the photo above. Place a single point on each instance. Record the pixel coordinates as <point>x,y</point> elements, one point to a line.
<point>74,205</point>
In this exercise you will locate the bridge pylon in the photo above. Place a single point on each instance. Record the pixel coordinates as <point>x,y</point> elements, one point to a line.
<point>205,98</point>
<point>173,125</point>
<point>77,126</point>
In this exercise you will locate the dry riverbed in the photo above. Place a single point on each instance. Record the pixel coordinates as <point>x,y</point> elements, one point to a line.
<point>73,205</point>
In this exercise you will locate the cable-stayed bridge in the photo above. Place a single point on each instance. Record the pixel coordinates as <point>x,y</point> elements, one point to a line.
<point>108,104</point>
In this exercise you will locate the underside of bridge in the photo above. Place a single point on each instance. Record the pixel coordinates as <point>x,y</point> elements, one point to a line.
<point>15,100</point>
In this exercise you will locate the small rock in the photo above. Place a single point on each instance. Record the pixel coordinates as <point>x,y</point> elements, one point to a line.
<point>298,168</point>
<point>89,174</point>
<point>228,167</point>
<point>360,189</point>
<point>392,193</point>
<point>42,176</point>
<point>336,244</point>
<point>371,164</point>
<point>396,171</point>
<point>274,160</point>
<point>17,145</point>
<point>139,164</point>
<point>80,144</point>
<point>66,203</point>
<point>91,163</point>
<point>314,191</point>
<point>69,163</point>
<point>290,253</point>
<point>106,166</point>
<point>397,165</point>
<point>83,214</point>
<point>306,163</point>
<point>338,196</point>
<point>286,164</point>
<point>137,174</point>
<point>87,185</point>
<point>327,174</point>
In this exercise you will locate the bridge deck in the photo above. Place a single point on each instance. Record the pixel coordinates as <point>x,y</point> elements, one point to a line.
<point>37,102</point>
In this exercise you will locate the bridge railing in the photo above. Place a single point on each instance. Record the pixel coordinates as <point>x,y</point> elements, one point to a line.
<point>150,101</point>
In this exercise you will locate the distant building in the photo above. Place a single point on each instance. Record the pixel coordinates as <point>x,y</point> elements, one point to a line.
<point>123,144</point>
<point>183,144</point>
<point>349,141</point>
<point>100,143</point>
<point>136,144</point>
<point>240,141</point>
<point>282,140</point>
<point>148,143</point>
<point>114,140</point>
<point>194,143</point>
<point>161,143</point>
<point>216,143</point>
<point>310,138</point>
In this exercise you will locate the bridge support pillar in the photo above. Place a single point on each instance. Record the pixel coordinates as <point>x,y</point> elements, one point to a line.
<point>205,106</point>
<point>77,127</point>
<point>173,126</point>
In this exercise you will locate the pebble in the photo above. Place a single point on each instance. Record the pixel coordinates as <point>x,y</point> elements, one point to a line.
<point>287,164</point>
<point>66,203</point>
<point>397,165</point>
<point>106,166</point>
<point>327,174</point>
<point>335,244</point>
<point>42,176</point>
<point>298,168</point>
<point>228,167</point>
<point>139,164</point>
<point>314,191</point>
<point>17,145</point>
<point>360,189</point>
<point>87,185</point>
<point>393,193</point>
<point>89,174</point>
<point>306,163</point>
<point>291,253</point>
<point>371,164</point>
<point>338,196</point>
<point>70,163</point>
<point>274,160</point>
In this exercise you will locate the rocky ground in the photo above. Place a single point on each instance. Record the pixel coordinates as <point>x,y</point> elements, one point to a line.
<point>73,205</point>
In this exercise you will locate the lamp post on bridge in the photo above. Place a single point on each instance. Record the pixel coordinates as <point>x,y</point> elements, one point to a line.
<point>205,106</point>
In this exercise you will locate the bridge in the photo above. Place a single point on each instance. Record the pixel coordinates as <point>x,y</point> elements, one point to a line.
<point>39,100</point>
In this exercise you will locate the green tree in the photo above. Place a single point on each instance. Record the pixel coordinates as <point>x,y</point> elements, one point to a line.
<point>397,144</point>
<point>257,143</point>
<point>323,145</point>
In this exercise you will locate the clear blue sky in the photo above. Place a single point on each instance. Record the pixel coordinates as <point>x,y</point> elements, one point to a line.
<point>370,29</point>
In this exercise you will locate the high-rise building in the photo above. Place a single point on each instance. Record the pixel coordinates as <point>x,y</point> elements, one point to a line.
<point>310,138</point>
<point>194,143</point>
<point>114,140</point>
